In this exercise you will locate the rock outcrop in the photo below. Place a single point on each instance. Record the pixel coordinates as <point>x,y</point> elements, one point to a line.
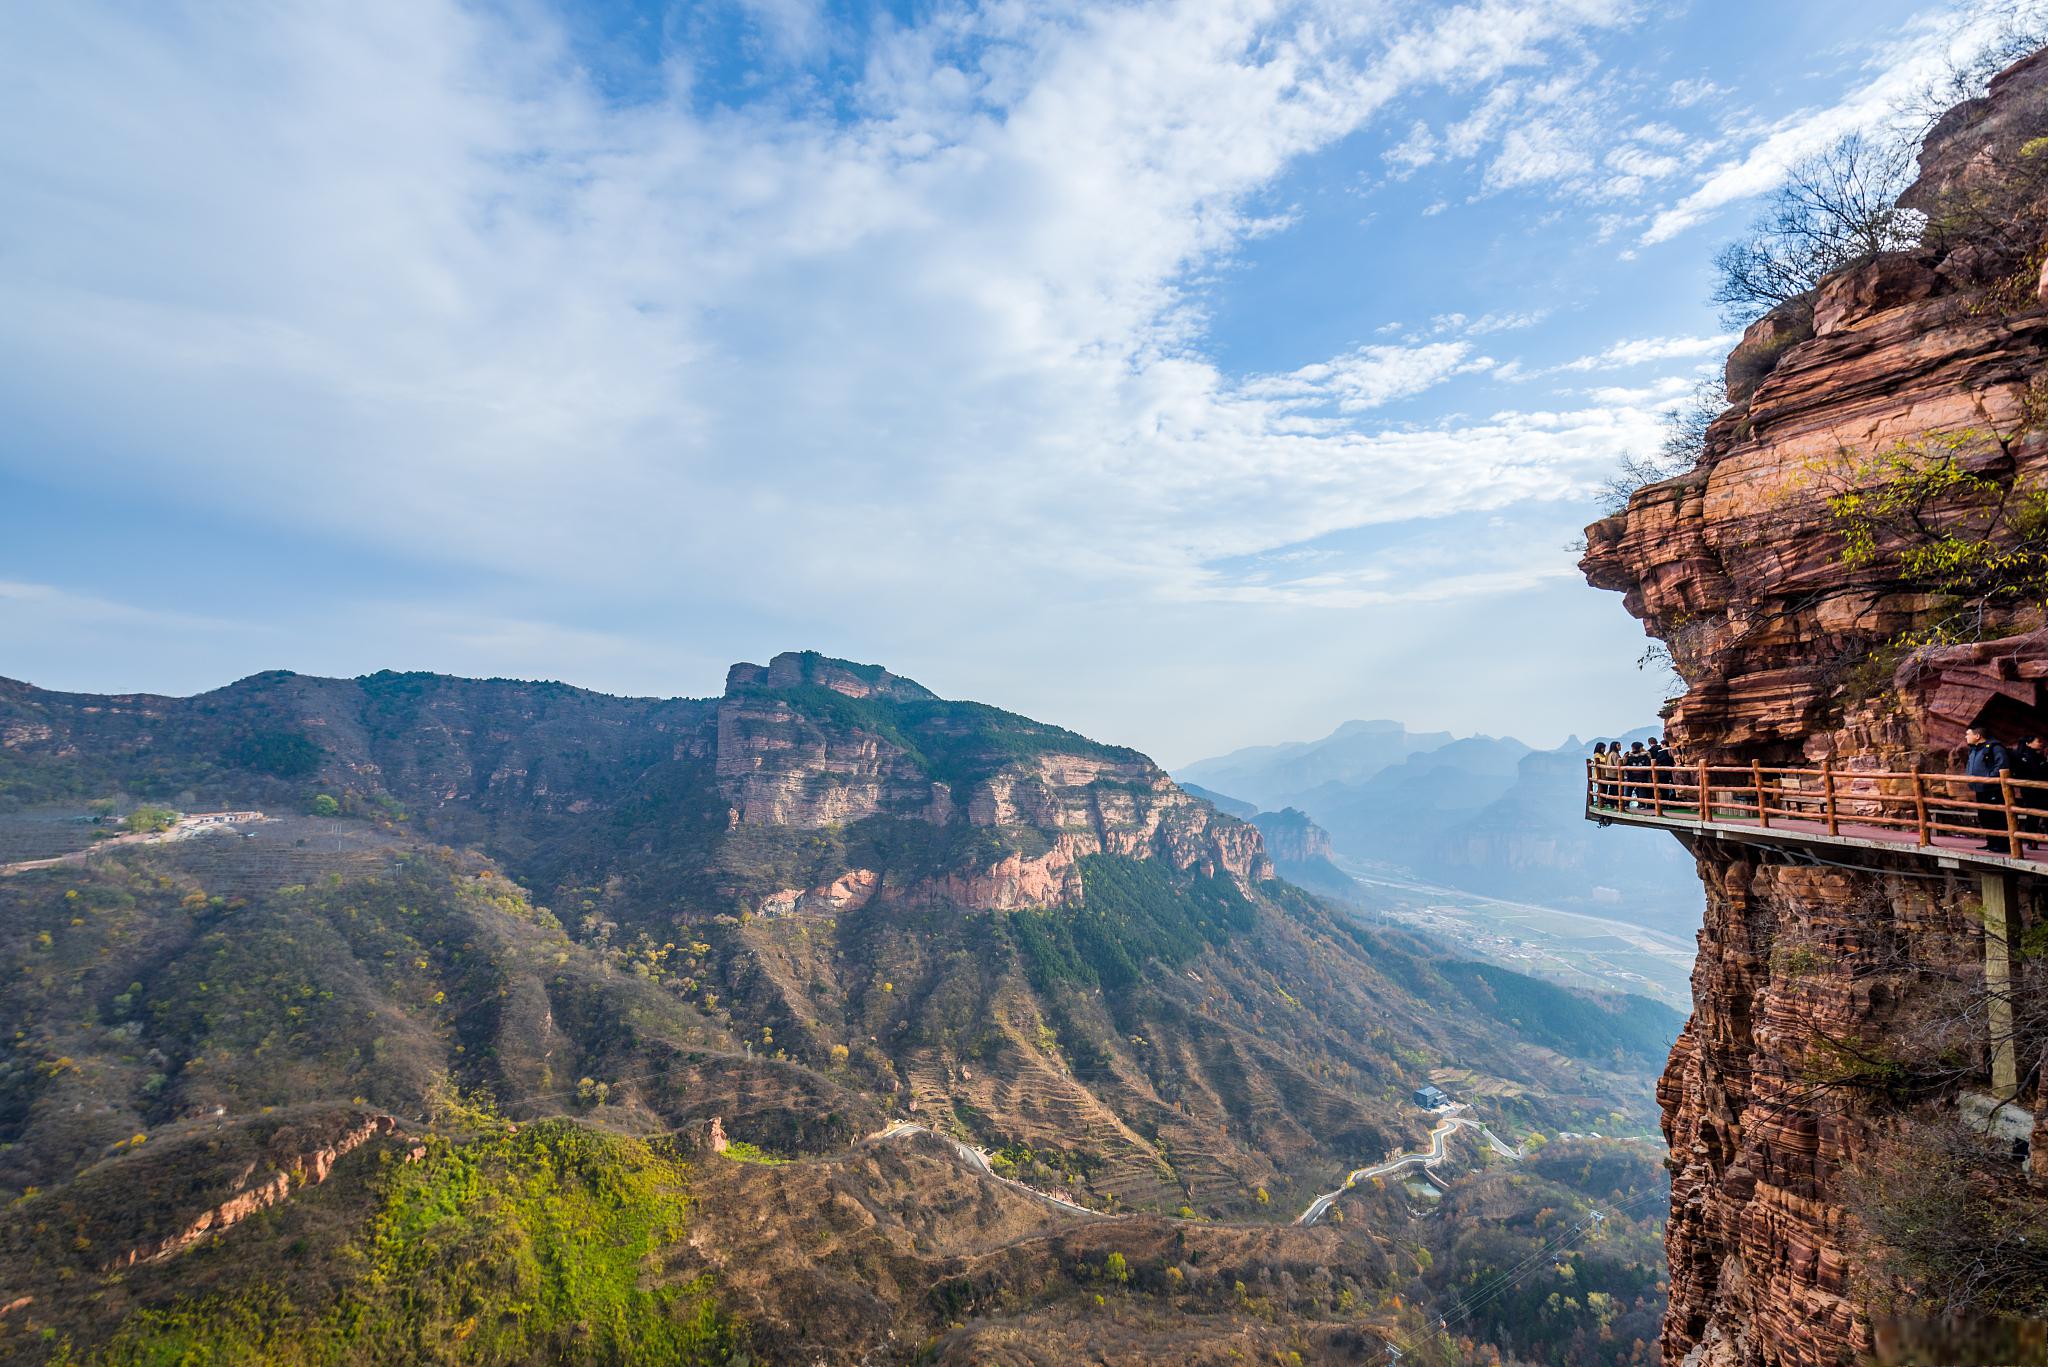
<point>1291,838</point>
<point>784,760</point>
<point>1787,644</point>
<point>307,1167</point>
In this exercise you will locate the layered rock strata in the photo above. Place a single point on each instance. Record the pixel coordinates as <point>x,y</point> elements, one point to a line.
<point>1787,643</point>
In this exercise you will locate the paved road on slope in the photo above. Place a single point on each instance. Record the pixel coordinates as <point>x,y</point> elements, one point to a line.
<point>976,1159</point>
<point>1438,1139</point>
<point>1429,1158</point>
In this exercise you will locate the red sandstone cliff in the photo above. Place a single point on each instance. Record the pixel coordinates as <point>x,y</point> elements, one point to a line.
<point>1778,1146</point>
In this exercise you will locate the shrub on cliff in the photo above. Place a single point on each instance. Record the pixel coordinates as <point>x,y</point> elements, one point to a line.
<point>1836,208</point>
<point>1683,446</point>
<point>1955,1241</point>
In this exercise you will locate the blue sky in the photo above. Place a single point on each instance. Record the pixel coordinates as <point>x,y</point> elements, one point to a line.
<point>1192,374</point>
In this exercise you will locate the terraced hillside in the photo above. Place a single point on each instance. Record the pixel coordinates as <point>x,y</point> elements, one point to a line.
<point>822,901</point>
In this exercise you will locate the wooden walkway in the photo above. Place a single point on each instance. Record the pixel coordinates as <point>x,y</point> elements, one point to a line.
<point>1992,827</point>
<point>1906,811</point>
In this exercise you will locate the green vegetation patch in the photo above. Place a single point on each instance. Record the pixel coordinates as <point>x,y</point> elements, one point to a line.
<point>954,743</point>
<point>1133,911</point>
<point>283,754</point>
<point>547,1244</point>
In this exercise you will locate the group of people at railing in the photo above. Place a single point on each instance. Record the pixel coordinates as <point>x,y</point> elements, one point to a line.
<point>2006,787</point>
<point>1632,775</point>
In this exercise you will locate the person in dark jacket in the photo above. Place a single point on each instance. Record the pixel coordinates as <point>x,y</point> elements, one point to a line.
<point>1660,768</point>
<point>1986,758</point>
<point>2030,761</point>
<point>1637,765</point>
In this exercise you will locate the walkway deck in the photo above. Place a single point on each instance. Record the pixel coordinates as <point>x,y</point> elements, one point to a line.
<point>1950,818</point>
<point>1992,826</point>
<point>1953,851</point>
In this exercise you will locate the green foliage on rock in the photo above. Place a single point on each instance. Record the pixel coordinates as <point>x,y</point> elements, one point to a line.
<point>1132,911</point>
<point>545,1244</point>
<point>282,754</point>
<point>1976,541</point>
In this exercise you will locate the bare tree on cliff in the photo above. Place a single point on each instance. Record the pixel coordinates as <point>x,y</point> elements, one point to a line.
<point>1836,208</point>
<point>1683,444</point>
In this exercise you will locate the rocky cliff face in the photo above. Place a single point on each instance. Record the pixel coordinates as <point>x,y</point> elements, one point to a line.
<point>1819,991</point>
<point>1293,838</point>
<point>782,760</point>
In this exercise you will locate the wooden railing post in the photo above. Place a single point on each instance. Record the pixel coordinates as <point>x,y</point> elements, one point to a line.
<point>2012,818</point>
<point>1756,781</point>
<point>1920,800</point>
<point>1592,787</point>
<point>1706,794</point>
<point>1656,788</point>
<point>1827,789</point>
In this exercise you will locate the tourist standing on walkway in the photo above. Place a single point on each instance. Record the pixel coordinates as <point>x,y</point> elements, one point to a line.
<point>1637,764</point>
<point>1662,765</point>
<point>1986,758</point>
<point>1613,768</point>
<point>1601,794</point>
<point>2030,761</point>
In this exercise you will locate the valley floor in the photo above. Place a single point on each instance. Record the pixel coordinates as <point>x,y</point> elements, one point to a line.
<point>1571,947</point>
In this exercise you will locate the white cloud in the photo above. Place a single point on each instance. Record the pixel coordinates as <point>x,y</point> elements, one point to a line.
<point>1413,152</point>
<point>1368,377</point>
<point>1660,392</point>
<point>1487,323</point>
<point>1695,90</point>
<point>1928,48</point>
<point>1634,351</point>
<point>1532,153</point>
<point>402,275</point>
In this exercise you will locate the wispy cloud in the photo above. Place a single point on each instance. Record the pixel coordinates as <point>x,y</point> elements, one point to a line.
<point>424,285</point>
<point>1938,40</point>
<point>1635,351</point>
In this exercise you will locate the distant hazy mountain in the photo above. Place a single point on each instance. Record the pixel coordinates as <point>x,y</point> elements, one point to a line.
<point>1406,805</point>
<point>1483,813</point>
<point>1531,843</point>
<point>1269,775</point>
<point>1229,806</point>
<point>1302,853</point>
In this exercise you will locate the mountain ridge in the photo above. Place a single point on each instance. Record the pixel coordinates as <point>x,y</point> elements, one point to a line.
<point>824,900</point>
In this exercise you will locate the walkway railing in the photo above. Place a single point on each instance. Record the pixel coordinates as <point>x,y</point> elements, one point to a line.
<point>1908,807</point>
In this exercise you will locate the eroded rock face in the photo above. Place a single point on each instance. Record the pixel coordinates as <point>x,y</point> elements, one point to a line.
<point>307,1167</point>
<point>1739,568</point>
<point>782,763</point>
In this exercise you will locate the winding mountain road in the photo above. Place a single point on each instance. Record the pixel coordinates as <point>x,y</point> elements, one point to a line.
<point>183,828</point>
<point>977,1160</point>
<point>1439,1138</point>
<point>1429,1158</point>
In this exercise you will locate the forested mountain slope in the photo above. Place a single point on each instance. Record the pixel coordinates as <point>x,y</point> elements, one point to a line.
<point>823,902</point>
